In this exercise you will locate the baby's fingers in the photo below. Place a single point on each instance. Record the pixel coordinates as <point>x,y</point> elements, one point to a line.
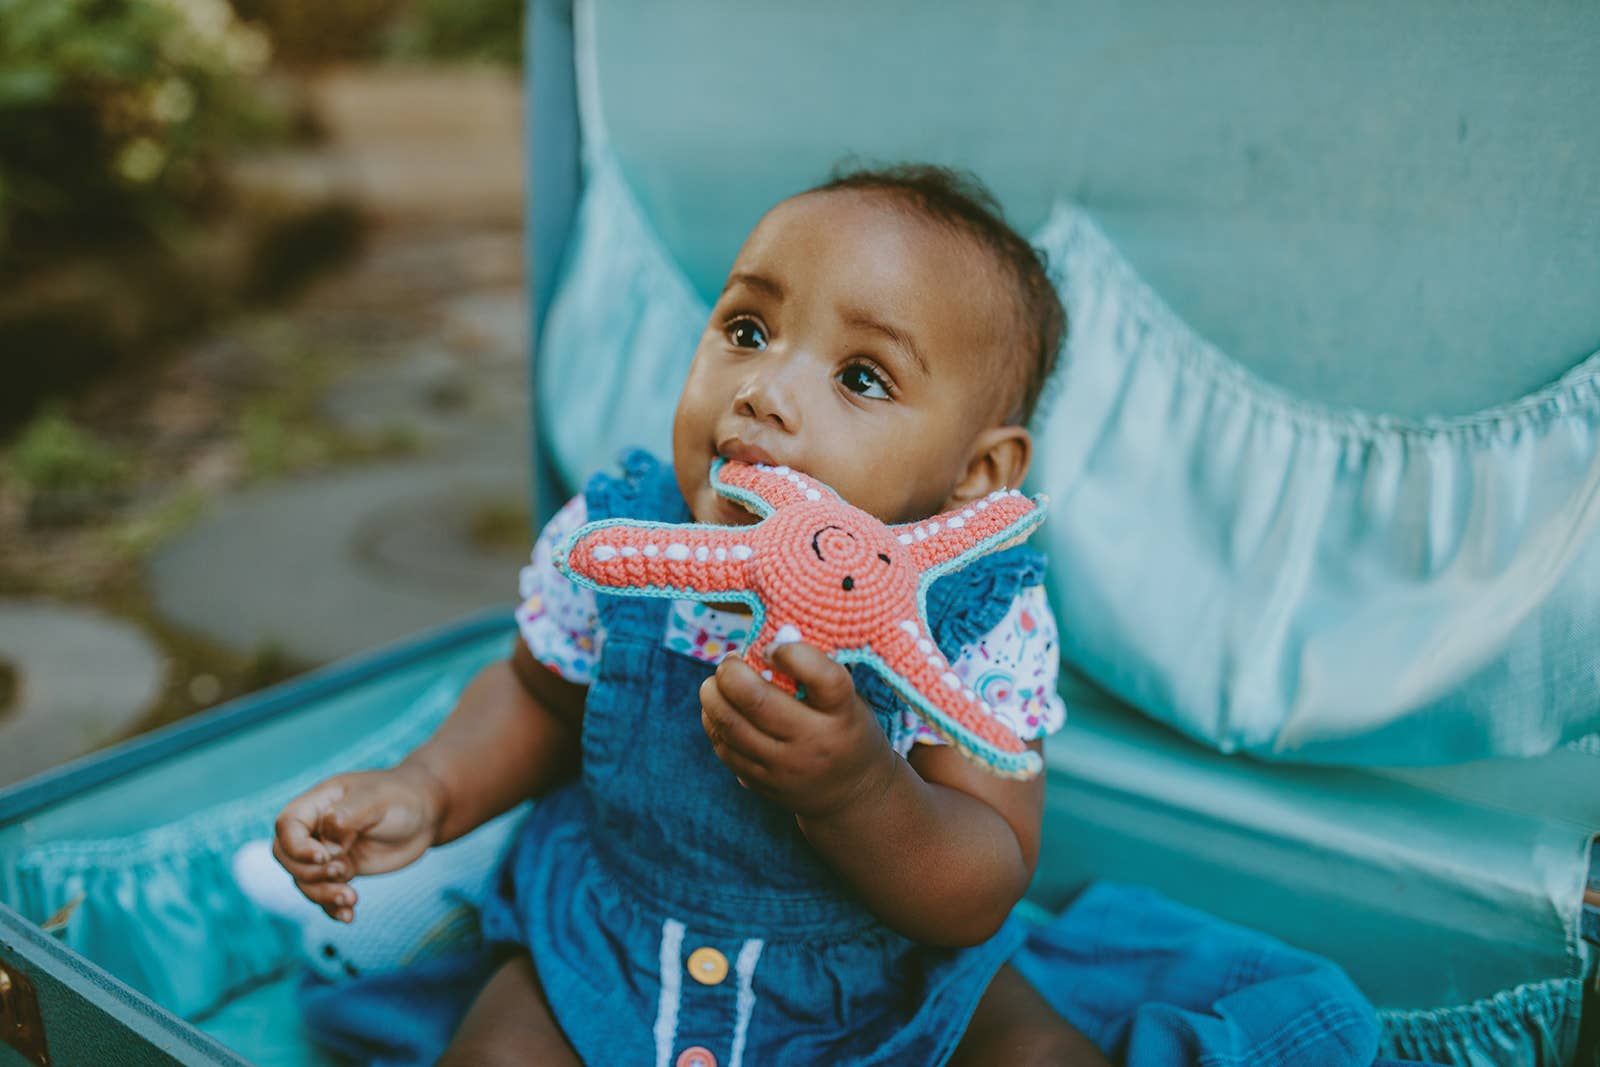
<point>337,899</point>
<point>296,835</point>
<point>732,734</point>
<point>336,869</point>
<point>765,706</point>
<point>827,684</point>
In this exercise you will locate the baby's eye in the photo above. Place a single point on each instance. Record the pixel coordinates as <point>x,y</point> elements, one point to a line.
<point>864,381</point>
<point>746,333</point>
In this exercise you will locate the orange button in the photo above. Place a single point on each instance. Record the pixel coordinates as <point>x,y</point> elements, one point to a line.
<point>708,966</point>
<point>696,1057</point>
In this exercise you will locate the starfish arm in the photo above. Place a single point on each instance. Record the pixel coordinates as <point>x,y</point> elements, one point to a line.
<point>762,488</point>
<point>918,671</point>
<point>659,559</point>
<point>952,539</point>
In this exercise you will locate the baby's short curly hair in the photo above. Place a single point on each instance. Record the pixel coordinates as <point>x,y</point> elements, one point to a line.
<point>957,199</point>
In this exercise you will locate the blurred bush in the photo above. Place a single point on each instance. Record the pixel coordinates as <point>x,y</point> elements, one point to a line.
<point>309,32</point>
<point>114,115</point>
<point>489,30</point>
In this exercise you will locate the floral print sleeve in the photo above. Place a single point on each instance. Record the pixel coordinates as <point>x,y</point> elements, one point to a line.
<point>1013,667</point>
<point>559,620</point>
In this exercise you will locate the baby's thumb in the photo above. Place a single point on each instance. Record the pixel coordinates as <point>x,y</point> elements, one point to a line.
<point>826,684</point>
<point>344,822</point>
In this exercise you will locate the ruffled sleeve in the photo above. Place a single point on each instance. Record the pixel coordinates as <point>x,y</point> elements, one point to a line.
<point>1013,668</point>
<point>559,620</point>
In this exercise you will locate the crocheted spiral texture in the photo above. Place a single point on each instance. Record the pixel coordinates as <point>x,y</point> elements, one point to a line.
<point>815,568</point>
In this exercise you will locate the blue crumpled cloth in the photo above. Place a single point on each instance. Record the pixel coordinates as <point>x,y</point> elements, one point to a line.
<point>1153,983</point>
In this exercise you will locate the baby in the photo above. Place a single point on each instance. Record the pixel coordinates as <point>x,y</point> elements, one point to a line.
<point>718,873</point>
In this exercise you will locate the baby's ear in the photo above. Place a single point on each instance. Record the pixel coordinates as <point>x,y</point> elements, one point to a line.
<point>999,460</point>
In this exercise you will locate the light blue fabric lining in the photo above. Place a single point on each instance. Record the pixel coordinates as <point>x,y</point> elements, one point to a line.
<point>160,909</point>
<point>1274,577</point>
<point>1531,1025</point>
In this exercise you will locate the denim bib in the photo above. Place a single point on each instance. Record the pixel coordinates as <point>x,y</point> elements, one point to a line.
<point>657,870</point>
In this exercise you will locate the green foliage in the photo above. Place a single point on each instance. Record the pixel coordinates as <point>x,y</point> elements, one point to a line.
<point>54,454</point>
<point>319,31</point>
<point>113,114</point>
<point>489,30</point>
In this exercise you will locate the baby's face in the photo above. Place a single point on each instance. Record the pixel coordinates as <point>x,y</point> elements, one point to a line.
<point>854,341</point>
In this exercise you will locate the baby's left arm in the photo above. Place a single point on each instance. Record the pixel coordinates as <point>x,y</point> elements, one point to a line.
<point>938,848</point>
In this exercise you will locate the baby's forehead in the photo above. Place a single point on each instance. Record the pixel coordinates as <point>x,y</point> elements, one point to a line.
<point>886,238</point>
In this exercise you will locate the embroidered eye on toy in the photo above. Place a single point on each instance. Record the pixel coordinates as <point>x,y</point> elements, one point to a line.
<point>817,569</point>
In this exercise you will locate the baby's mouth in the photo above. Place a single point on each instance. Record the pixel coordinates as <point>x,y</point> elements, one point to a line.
<point>735,449</point>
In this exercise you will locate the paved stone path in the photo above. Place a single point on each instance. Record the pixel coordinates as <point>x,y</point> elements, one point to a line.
<point>325,566</point>
<point>431,318</point>
<point>77,679</point>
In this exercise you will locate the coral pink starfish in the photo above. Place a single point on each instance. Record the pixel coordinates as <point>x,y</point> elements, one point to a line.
<point>817,569</point>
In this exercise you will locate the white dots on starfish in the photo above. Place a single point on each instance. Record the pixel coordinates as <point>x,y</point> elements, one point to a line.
<point>936,662</point>
<point>701,553</point>
<point>720,554</point>
<point>909,626</point>
<point>980,505</point>
<point>781,471</point>
<point>920,533</point>
<point>950,680</point>
<point>968,513</point>
<point>905,539</point>
<point>652,551</point>
<point>767,675</point>
<point>602,553</point>
<point>933,528</point>
<point>787,634</point>
<point>677,551</point>
<point>970,695</point>
<point>741,551</point>
<point>924,645</point>
<point>812,494</point>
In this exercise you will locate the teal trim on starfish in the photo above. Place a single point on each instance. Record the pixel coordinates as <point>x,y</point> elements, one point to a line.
<point>754,501</point>
<point>1025,764</point>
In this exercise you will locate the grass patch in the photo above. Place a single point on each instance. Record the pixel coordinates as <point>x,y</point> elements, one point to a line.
<point>53,454</point>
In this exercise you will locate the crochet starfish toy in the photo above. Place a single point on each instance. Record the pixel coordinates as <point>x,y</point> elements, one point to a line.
<point>817,569</point>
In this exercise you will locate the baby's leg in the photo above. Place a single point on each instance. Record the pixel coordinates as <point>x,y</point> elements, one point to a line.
<point>1015,1026</point>
<point>510,1023</point>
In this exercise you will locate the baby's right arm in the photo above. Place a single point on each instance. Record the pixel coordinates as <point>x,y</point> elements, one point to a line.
<point>513,734</point>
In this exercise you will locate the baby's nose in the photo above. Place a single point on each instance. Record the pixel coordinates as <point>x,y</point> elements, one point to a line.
<point>769,396</point>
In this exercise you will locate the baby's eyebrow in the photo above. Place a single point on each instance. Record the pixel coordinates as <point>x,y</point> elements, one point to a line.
<point>755,281</point>
<point>865,321</point>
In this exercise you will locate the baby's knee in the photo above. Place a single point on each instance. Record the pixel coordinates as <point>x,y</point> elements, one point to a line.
<point>1054,1047</point>
<point>481,1053</point>
<point>1037,1042</point>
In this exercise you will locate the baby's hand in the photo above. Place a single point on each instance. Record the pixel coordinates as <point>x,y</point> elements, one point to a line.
<point>368,822</point>
<point>814,757</point>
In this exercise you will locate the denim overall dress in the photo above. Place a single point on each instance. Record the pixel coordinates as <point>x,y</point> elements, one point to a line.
<point>680,920</point>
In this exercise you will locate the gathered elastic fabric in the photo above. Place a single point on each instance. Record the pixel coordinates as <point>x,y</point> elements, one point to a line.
<point>1535,1024</point>
<point>160,908</point>
<point>1261,573</point>
<point>1277,578</point>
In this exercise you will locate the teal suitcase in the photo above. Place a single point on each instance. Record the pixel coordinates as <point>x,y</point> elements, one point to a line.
<point>1395,185</point>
